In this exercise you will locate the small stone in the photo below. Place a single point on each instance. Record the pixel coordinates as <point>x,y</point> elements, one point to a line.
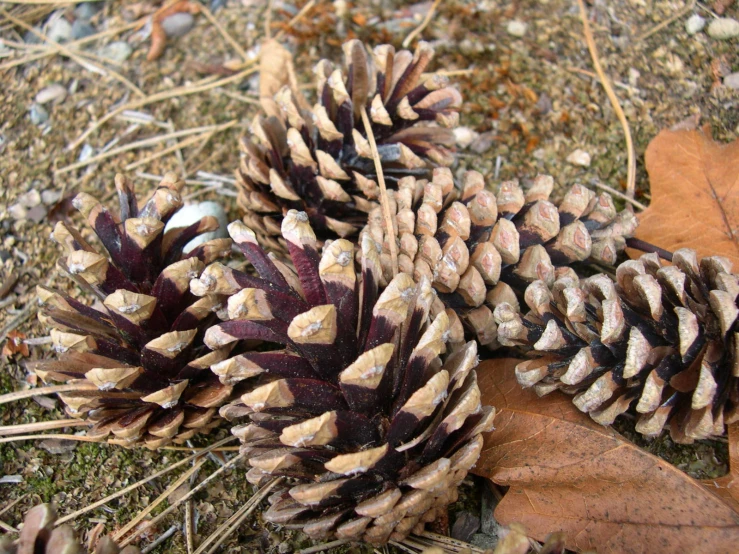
<point>579,157</point>
<point>82,29</point>
<point>544,104</point>
<point>732,81</point>
<point>37,214</point>
<point>516,28</point>
<point>60,30</point>
<point>464,136</point>
<point>29,199</point>
<point>32,38</point>
<point>216,5</point>
<point>39,115</point>
<point>86,152</point>
<point>695,24</point>
<point>50,197</point>
<point>465,526</point>
<point>193,213</point>
<point>483,142</point>
<point>17,212</point>
<point>723,28</point>
<point>58,446</point>
<point>86,10</point>
<point>178,24</point>
<point>53,93</point>
<point>118,51</point>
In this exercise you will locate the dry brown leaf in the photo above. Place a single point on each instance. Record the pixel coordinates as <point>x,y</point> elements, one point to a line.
<point>15,345</point>
<point>727,487</point>
<point>695,194</point>
<point>274,63</point>
<point>569,474</point>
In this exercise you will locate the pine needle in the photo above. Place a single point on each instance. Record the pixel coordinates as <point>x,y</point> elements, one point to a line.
<point>383,191</point>
<point>41,391</point>
<point>40,426</point>
<point>226,36</point>
<point>418,30</point>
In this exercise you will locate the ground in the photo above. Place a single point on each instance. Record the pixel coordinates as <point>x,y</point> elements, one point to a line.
<point>530,102</point>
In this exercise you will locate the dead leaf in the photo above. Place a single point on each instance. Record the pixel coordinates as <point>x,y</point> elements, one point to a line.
<point>15,345</point>
<point>274,62</point>
<point>727,487</point>
<point>567,473</point>
<point>695,194</point>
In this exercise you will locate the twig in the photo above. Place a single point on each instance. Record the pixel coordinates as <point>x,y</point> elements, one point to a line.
<point>137,484</point>
<point>7,528</point>
<point>183,144</point>
<point>41,391</point>
<point>237,96</point>
<point>168,533</point>
<point>67,52</point>
<point>621,195</point>
<point>161,498</point>
<point>648,247</point>
<point>151,141</point>
<point>383,191</point>
<point>13,503</point>
<point>631,162</point>
<point>8,430</point>
<point>426,20</point>
<point>592,75</point>
<point>27,312</point>
<point>657,28</point>
<point>165,95</point>
<point>227,37</point>
<point>323,547</point>
<point>298,16</point>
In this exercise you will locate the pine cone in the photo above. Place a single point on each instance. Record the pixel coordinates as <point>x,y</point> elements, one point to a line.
<point>369,412</point>
<point>663,340</point>
<point>39,536</point>
<point>319,160</point>
<point>141,352</point>
<point>478,248</point>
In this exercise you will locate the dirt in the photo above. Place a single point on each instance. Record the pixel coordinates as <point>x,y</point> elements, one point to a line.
<point>532,100</point>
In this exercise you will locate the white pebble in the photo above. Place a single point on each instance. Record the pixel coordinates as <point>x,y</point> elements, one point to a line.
<point>695,24</point>
<point>516,28</point>
<point>579,157</point>
<point>732,81</point>
<point>193,213</point>
<point>464,136</point>
<point>723,28</point>
<point>52,93</point>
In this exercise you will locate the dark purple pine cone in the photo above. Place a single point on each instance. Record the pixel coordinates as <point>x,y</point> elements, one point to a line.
<point>368,410</point>
<point>661,340</point>
<point>139,348</point>
<point>319,160</point>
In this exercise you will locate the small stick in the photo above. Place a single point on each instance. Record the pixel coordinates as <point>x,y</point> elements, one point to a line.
<point>237,96</point>
<point>621,195</point>
<point>168,533</point>
<point>41,391</point>
<point>298,16</point>
<point>631,163</point>
<point>8,430</point>
<point>323,547</point>
<point>426,20</point>
<point>592,75</point>
<point>7,528</point>
<point>137,484</point>
<point>139,144</point>
<point>657,28</point>
<point>227,37</point>
<point>13,503</point>
<point>383,191</point>
<point>161,498</point>
<point>206,84</point>
<point>650,248</point>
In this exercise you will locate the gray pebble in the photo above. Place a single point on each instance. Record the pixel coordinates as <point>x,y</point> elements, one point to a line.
<point>694,24</point>
<point>723,28</point>
<point>59,30</point>
<point>38,114</point>
<point>732,81</point>
<point>50,196</point>
<point>58,446</point>
<point>37,214</point>
<point>216,5</point>
<point>465,526</point>
<point>482,143</point>
<point>178,24</point>
<point>86,10</point>
<point>53,93</point>
<point>82,29</point>
<point>118,51</point>
<point>31,38</point>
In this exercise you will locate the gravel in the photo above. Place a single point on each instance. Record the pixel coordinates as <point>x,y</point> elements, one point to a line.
<point>178,24</point>
<point>82,29</point>
<point>60,30</point>
<point>732,81</point>
<point>723,28</point>
<point>579,157</point>
<point>53,93</point>
<point>39,115</point>
<point>516,28</point>
<point>118,51</point>
<point>694,24</point>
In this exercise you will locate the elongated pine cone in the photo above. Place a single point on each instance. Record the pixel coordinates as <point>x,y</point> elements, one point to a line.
<point>319,159</point>
<point>479,248</point>
<point>39,536</point>
<point>138,354</point>
<point>661,340</point>
<point>369,411</point>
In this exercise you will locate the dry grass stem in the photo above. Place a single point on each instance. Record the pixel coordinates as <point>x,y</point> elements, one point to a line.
<point>620,194</point>
<point>205,84</point>
<point>24,428</point>
<point>323,547</point>
<point>298,16</point>
<point>160,540</point>
<point>237,96</point>
<point>226,36</point>
<point>418,30</point>
<point>631,162</point>
<point>383,191</point>
<point>161,498</point>
<point>174,148</point>
<point>137,484</point>
<point>40,391</point>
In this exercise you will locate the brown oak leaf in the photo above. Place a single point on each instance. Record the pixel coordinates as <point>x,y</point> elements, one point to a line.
<point>695,194</point>
<point>567,473</point>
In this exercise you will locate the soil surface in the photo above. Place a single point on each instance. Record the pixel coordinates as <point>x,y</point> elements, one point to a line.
<point>532,100</point>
